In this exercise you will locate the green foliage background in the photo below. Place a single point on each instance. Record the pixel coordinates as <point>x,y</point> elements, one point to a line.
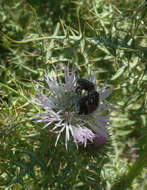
<point>108,37</point>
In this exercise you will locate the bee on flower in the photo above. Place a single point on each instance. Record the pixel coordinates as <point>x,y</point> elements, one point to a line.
<point>76,107</point>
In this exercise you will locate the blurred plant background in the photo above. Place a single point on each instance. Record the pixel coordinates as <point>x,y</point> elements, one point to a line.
<point>108,37</point>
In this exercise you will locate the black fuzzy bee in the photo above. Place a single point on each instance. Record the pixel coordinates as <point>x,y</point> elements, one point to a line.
<point>83,84</point>
<point>90,101</point>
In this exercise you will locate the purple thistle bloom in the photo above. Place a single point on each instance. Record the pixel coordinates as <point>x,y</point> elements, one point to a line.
<point>101,137</point>
<point>60,111</point>
<point>81,135</point>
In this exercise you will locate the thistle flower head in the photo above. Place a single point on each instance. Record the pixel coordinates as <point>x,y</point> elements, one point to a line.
<point>60,110</point>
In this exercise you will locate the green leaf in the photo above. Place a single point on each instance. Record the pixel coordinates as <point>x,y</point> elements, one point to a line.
<point>119,72</point>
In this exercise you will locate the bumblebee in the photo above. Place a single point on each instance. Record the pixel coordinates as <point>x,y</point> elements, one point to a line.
<point>83,84</point>
<point>88,102</point>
